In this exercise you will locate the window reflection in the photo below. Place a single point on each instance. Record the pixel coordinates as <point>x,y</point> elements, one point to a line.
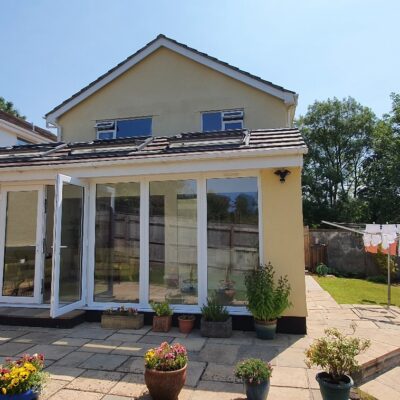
<point>232,232</point>
<point>117,242</point>
<point>173,241</point>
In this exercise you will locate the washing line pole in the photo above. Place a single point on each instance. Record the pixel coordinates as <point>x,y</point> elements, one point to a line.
<point>389,297</point>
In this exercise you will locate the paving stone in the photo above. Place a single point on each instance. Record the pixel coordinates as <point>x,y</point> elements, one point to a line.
<point>238,337</point>
<point>64,373</point>
<point>174,332</point>
<point>266,353</point>
<point>38,338</point>
<point>194,371</point>
<point>106,362</point>
<point>51,387</point>
<point>67,394</point>
<point>67,341</point>
<point>73,359</point>
<point>10,349</point>
<point>6,335</point>
<point>219,373</point>
<point>191,344</point>
<point>50,351</point>
<point>156,339</point>
<point>100,346</point>
<point>142,331</point>
<point>185,394</point>
<point>287,393</point>
<point>132,349</point>
<point>96,381</point>
<point>125,337</point>
<point>115,397</point>
<point>133,365</point>
<point>219,353</point>
<point>99,334</point>
<point>289,377</point>
<point>219,391</point>
<point>130,385</point>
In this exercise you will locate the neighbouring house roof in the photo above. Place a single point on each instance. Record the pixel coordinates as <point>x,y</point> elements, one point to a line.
<point>188,145</point>
<point>288,96</point>
<point>28,126</point>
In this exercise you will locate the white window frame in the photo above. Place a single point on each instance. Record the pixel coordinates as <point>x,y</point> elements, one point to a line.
<point>223,123</point>
<point>114,131</point>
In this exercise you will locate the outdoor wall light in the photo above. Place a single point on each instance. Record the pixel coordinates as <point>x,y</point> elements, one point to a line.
<point>282,173</point>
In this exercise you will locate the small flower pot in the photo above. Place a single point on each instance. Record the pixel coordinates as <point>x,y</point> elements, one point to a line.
<point>216,329</point>
<point>165,385</point>
<point>265,330</point>
<point>28,395</point>
<point>186,325</point>
<point>257,391</point>
<point>162,324</point>
<point>111,321</point>
<point>332,390</point>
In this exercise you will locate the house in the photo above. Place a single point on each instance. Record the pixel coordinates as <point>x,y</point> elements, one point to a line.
<point>174,174</point>
<point>16,131</point>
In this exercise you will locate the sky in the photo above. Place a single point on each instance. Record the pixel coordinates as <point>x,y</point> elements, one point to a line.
<point>50,49</point>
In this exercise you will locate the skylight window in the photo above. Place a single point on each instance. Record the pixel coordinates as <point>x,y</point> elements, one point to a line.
<point>124,128</point>
<point>222,120</point>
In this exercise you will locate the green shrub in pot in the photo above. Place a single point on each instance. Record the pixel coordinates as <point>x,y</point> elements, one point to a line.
<point>336,355</point>
<point>215,321</point>
<point>267,299</point>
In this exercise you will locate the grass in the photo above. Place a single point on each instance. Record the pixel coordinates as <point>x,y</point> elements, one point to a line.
<point>358,291</point>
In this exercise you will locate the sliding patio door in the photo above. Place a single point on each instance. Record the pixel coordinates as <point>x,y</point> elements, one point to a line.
<point>68,250</point>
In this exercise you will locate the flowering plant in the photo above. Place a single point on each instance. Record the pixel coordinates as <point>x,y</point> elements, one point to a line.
<point>166,357</point>
<point>253,370</point>
<point>22,375</point>
<point>122,311</point>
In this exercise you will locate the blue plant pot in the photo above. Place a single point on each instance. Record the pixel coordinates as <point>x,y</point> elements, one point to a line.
<point>28,395</point>
<point>257,391</point>
<point>265,330</point>
<point>334,391</point>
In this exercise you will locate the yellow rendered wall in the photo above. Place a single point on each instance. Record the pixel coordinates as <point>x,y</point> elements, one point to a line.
<point>174,90</point>
<point>283,232</point>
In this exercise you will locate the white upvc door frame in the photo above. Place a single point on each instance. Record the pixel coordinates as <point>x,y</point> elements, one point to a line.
<point>55,308</point>
<point>39,256</point>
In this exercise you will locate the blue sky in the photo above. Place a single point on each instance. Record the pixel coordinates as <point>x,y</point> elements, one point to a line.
<point>52,48</point>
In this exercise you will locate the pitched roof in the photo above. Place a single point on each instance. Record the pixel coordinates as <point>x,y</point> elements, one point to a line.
<point>190,145</point>
<point>27,125</point>
<point>163,41</point>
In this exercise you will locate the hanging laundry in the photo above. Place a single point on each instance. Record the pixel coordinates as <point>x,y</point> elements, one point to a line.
<point>381,239</point>
<point>372,237</point>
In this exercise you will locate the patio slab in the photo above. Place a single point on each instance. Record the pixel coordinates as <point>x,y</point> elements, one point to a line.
<point>100,346</point>
<point>96,381</point>
<point>131,385</point>
<point>9,349</point>
<point>67,394</point>
<point>106,362</point>
<point>219,353</point>
<point>50,351</point>
<point>64,373</point>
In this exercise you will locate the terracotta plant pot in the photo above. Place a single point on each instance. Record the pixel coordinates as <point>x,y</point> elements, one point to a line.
<point>162,324</point>
<point>165,385</point>
<point>186,325</point>
<point>265,330</point>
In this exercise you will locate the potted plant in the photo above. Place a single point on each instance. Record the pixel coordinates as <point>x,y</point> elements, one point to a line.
<point>215,321</point>
<point>162,321</point>
<point>22,379</point>
<point>165,371</point>
<point>267,300</point>
<point>186,323</point>
<point>122,318</point>
<point>336,355</point>
<point>255,374</point>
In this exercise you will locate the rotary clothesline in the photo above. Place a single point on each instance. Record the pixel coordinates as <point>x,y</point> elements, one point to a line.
<point>385,236</point>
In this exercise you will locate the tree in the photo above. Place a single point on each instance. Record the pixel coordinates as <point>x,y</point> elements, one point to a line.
<point>8,107</point>
<point>382,178</point>
<point>338,135</point>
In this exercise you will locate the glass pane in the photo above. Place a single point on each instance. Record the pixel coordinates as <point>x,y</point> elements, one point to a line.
<point>116,276</point>
<point>233,125</point>
<point>48,249</point>
<point>71,244</point>
<point>232,234</point>
<point>105,135</point>
<point>20,244</point>
<point>134,127</point>
<point>173,242</point>
<point>212,121</point>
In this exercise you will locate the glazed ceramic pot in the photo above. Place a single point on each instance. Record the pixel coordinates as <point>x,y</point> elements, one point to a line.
<point>257,391</point>
<point>28,395</point>
<point>332,390</point>
<point>265,330</point>
<point>165,385</point>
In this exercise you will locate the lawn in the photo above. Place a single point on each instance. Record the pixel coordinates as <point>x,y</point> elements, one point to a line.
<point>358,291</point>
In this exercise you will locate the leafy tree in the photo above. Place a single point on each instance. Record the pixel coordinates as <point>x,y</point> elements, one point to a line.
<point>8,107</point>
<point>338,134</point>
<point>382,178</point>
